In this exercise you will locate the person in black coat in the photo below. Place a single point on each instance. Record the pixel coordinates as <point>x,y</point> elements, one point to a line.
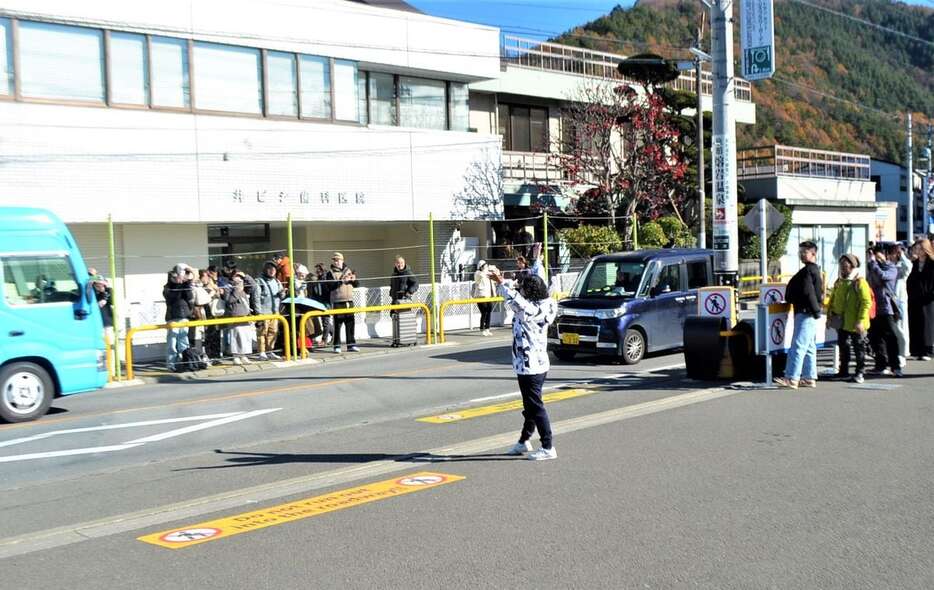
<point>921,301</point>
<point>403,283</point>
<point>804,292</point>
<point>179,305</point>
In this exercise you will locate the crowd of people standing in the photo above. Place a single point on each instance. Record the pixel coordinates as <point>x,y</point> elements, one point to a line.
<point>888,314</point>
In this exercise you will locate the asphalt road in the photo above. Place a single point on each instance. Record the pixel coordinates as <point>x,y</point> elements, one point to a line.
<point>660,482</point>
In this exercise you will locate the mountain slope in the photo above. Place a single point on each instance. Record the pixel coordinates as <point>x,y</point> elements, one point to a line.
<point>839,85</point>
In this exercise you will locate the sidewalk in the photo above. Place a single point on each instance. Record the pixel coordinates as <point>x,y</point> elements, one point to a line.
<point>155,371</point>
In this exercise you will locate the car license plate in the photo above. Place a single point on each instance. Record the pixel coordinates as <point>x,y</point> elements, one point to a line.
<point>574,339</point>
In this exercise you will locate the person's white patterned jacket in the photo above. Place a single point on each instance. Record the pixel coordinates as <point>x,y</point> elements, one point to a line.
<point>529,330</point>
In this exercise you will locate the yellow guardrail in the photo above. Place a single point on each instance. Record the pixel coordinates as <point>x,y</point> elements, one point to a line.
<point>352,310</point>
<point>195,323</point>
<point>447,304</point>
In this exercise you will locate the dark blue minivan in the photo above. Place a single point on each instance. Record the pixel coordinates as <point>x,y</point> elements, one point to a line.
<point>631,303</point>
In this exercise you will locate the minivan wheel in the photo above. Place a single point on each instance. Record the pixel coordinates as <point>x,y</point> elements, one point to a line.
<point>565,355</point>
<point>25,392</point>
<point>633,347</point>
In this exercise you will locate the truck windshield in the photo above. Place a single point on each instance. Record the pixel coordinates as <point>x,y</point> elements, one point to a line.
<point>608,278</point>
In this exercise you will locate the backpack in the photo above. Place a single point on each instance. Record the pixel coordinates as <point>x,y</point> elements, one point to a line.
<point>191,361</point>
<point>872,297</point>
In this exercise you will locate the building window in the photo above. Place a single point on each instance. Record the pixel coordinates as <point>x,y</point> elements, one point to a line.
<point>61,62</point>
<point>315,74</point>
<point>346,107</point>
<point>877,180</point>
<point>32,280</point>
<point>422,103</point>
<point>281,84</point>
<point>383,99</point>
<point>228,78</point>
<point>171,85</point>
<point>362,83</point>
<point>460,107</point>
<point>526,128</point>
<point>128,61</point>
<point>6,57</point>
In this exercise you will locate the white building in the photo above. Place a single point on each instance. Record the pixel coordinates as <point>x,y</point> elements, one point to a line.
<point>831,196</point>
<point>200,126</point>
<point>891,184</point>
<point>524,105</point>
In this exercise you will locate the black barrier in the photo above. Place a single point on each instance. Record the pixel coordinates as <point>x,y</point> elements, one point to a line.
<point>703,346</point>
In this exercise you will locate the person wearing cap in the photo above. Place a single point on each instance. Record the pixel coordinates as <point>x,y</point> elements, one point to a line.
<point>482,288</point>
<point>104,296</point>
<point>850,301</point>
<point>179,305</point>
<point>300,272</point>
<point>342,280</point>
<point>804,292</point>
<point>269,295</point>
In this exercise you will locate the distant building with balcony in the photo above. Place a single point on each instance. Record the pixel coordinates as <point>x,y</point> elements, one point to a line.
<point>524,106</point>
<point>891,185</point>
<point>831,195</point>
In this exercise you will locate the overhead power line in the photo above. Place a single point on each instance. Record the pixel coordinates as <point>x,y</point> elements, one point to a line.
<point>866,22</point>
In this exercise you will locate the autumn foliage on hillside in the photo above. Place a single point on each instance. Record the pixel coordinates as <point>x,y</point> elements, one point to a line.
<point>840,85</point>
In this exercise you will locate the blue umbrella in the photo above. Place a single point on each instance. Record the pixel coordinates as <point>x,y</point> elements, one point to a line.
<point>306,302</point>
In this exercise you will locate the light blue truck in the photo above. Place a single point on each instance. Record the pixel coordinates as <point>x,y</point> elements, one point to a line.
<point>51,331</point>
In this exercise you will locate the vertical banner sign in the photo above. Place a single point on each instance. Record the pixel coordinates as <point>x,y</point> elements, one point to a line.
<point>757,39</point>
<point>725,222</point>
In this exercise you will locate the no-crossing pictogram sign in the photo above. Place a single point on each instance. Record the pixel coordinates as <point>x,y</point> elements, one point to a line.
<point>773,295</point>
<point>189,535</point>
<point>421,480</point>
<point>777,331</point>
<point>715,304</point>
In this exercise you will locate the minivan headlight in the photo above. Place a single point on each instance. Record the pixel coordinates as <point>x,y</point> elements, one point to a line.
<point>609,314</point>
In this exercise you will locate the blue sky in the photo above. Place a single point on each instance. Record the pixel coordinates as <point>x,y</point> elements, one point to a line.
<point>525,17</point>
<point>532,18</point>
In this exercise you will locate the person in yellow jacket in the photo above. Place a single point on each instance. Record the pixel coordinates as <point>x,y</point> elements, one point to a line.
<point>850,301</point>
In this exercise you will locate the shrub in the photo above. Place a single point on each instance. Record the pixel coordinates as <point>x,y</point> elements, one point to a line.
<point>652,235</point>
<point>589,240</point>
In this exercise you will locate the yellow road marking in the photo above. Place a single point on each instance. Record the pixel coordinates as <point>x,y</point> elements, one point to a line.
<point>502,407</point>
<point>259,519</point>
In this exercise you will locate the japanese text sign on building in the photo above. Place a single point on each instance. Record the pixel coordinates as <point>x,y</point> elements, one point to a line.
<point>757,39</point>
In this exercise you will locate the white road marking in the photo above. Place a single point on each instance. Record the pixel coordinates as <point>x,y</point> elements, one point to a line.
<point>647,373</point>
<point>25,439</point>
<point>219,420</point>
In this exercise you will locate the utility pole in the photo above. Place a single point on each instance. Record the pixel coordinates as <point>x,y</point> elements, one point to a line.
<point>701,192</point>
<point>926,189</point>
<point>723,167</point>
<point>910,235</point>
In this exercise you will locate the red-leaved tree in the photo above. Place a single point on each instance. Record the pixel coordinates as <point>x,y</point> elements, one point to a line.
<point>622,147</point>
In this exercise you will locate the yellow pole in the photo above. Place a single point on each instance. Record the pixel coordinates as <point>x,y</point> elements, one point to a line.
<point>545,246</point>
<point>431,247</point>
<point>114,297</point>
<point>288,345</point>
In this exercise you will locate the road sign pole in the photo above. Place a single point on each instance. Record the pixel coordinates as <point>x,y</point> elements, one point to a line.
<point>701,194</point>
<point>910,235</point>
<point>723,168</point>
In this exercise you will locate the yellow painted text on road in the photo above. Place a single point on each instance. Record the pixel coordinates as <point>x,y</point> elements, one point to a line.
<point>502,407</point>
<point>283,513</point>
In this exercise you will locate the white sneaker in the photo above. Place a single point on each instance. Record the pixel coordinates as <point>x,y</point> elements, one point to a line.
<point>520,448</point>
<point>353,348</point>
<point>263,356</point>
<point>487,333</point>
<point>543,454</point>
<point>237,360</point>
<point>337,350</point>
<point>273,356</point>
<point>246,360</point>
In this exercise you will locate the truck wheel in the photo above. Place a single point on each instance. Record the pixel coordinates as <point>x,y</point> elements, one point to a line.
<point>565,355</point>
<point>26,392</point>
<point>633,347</point>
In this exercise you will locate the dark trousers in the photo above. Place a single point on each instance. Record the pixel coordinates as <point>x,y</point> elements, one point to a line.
<point>486,310</point>
<point>347,320</point>
<point>884,342</point>
<point>856,342</point>
<point>533,409</point>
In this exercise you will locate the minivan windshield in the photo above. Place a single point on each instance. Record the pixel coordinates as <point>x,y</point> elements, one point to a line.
<point>609,278</point>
